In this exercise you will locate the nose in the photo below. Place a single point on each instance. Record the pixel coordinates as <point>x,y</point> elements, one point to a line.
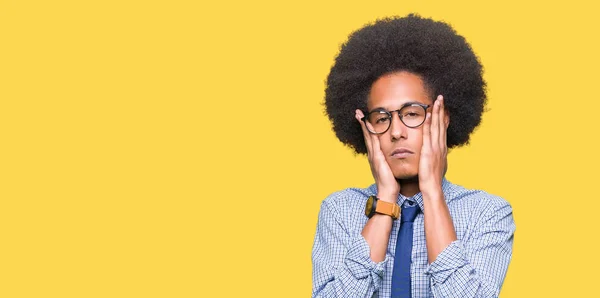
<point>397,127</point>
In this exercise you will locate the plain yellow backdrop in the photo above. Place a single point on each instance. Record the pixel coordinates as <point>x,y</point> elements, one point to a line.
<point>180,148</point>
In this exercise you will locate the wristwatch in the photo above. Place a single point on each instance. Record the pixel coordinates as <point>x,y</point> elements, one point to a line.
<point>375,205</point>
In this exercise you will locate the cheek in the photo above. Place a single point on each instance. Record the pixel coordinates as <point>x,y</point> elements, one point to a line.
<point>385,144</point>
<point>417,139</point>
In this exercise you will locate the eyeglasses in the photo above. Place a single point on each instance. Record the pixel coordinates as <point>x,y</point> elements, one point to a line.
<point>411,114</point>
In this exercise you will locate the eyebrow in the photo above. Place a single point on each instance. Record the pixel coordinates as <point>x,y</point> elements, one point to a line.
<point>404,105</point>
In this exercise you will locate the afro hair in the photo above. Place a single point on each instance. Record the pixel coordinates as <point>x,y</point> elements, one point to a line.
<point>428,48</point>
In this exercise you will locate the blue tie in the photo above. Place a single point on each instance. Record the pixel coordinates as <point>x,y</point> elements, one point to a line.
<point>402,257</point>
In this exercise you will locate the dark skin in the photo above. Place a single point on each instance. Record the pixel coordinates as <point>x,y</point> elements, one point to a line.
<point>420,169</point>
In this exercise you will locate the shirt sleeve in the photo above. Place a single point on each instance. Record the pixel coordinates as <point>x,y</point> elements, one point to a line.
<point>477,266</point>
<point>342,265</point>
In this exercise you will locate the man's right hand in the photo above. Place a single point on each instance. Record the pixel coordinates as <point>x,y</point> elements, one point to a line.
<point>387,186</point>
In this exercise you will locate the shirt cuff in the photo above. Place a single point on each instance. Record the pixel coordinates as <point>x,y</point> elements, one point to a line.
<point>447,262</point>
<point>360,264</point>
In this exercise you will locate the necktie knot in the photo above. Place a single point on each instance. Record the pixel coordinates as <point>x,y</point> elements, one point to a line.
<point>409,213</point>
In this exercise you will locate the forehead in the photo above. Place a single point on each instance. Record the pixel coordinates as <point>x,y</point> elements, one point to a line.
<point>391,91</point>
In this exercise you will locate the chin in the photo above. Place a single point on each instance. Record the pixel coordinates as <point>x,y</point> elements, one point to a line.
<point>404,174</point>
<point>403,169</point>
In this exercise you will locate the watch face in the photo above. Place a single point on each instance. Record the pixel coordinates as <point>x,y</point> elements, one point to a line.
<point>369,206</point>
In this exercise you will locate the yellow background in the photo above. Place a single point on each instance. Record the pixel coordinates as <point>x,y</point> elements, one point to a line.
<point>180,149</point>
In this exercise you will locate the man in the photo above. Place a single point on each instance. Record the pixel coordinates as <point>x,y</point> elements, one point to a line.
<point>403,91</point>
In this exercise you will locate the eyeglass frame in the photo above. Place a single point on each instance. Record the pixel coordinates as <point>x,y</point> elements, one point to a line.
<point>391,116</point>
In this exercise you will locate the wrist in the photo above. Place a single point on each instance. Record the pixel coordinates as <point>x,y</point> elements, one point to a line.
<point>388,197</point>
<point>378,206</point>
<point>433,193</point>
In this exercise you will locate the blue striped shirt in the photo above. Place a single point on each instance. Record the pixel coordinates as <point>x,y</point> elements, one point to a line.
<point>472,266</point>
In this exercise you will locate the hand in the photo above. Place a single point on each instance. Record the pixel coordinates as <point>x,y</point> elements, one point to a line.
<point>387,186</point>
<point>433,160</point>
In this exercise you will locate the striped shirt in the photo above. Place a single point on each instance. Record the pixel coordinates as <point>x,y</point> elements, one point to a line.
<point>474,265</point>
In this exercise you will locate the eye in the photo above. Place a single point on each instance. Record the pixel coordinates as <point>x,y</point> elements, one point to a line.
<point>412,112</point>
<point>382,120</point>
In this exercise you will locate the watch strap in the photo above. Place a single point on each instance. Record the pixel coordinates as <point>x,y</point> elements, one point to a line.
<point>387,208</point>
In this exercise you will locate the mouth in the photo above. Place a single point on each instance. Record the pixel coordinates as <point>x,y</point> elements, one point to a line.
<point>401,153</point>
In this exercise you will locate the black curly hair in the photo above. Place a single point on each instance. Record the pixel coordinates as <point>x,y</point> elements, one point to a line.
<point>428,48</point>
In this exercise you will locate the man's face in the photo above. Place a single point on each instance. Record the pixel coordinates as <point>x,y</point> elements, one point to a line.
<point>391,92</point>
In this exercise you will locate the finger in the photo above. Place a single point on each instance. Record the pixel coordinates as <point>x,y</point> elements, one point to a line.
<point>443,126</point>
<point>366,135</point>
<point>435,130</point>
<point>375,146</point>
<point>427,131</point>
